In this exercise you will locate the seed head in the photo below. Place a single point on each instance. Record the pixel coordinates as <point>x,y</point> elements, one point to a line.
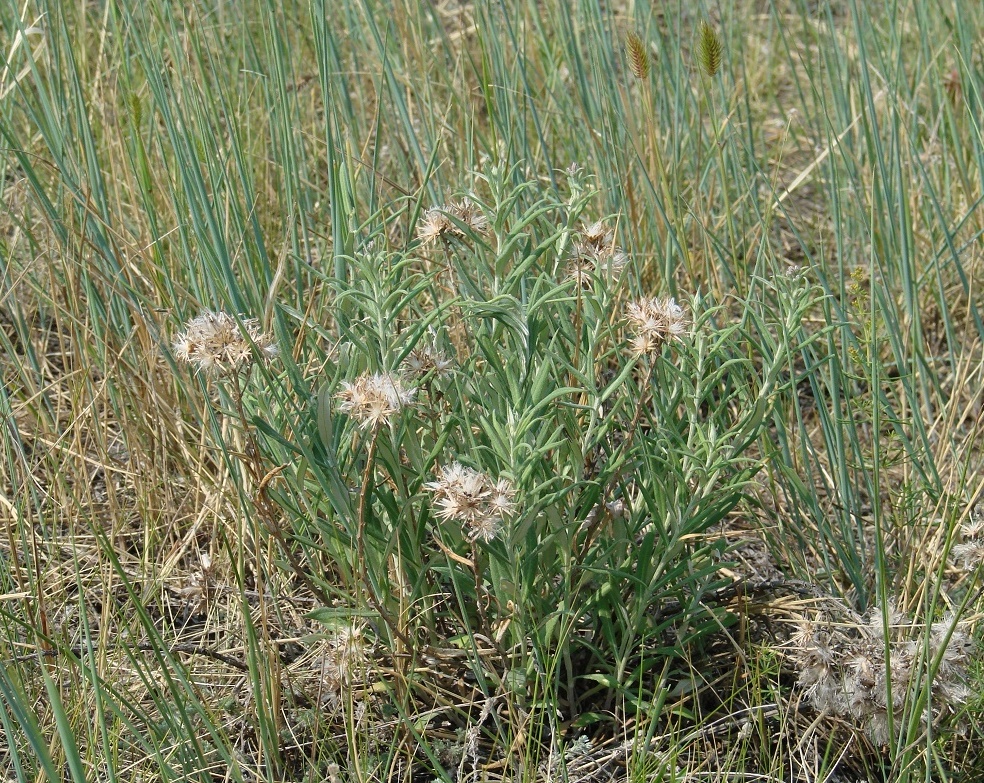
<point>473,499</point>
<point>709,49</point>
<point>423,360</point>
<point>345,659</point>
<point>502,501</point>
<point>599,236</point>
<point>638,56</point>
<point>655,322</point>
<point>844,667</point>
<point>435,225</point>
<point>454,220</point>
<point>969,553</point>
<point>951,642</point>
<point>374,399</point>
<point>461,493</point>
<point>349,651</point>
<point>485,528</point>
<point>876,625</point>
<point>594,252</point>
<point>218,342</point>
<point>468,213</point>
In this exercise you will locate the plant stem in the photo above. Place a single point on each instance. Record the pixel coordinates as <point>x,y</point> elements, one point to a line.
<point>360,542</point>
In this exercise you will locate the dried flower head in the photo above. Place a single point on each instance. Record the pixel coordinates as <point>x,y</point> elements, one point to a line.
<point>472,498</point>
<point>845,667</point>
<point>454,220</point>
<point>435,225</point>
<point>461,493</point>
<point>345,658</point>
<point>467,212</point>
<point>349,649</point>
<point>374,399</point>
<point>655,322</point>
<point>221,343</point>
<point>594,252</point>
<point>424,360</point>
<point>599,236</point>
<point>951,643</point>
<point>502,502</point>
<point>485,528</point>
<point>969,552</point>
<point>818,653</point>
<point>875,620</point>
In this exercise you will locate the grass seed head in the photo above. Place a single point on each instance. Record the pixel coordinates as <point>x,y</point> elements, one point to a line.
<point>638,56</point>
<point>709,49</point>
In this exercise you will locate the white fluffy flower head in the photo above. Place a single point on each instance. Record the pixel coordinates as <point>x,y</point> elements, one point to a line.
<point>218,342</point>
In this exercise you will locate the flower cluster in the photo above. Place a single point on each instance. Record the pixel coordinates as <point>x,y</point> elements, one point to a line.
<point>844,667</point>
<point>594,252</point>
<point>454,220</point>
<point>655,322</point>
<point>221,343</point>
<point>374,399</point>
<point>423,360</point>
<point>473,499</point>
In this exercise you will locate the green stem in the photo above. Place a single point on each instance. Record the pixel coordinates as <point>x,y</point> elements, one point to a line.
<point>360,543</point>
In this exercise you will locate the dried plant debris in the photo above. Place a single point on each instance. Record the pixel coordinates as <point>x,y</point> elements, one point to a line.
<point>866,668</point>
